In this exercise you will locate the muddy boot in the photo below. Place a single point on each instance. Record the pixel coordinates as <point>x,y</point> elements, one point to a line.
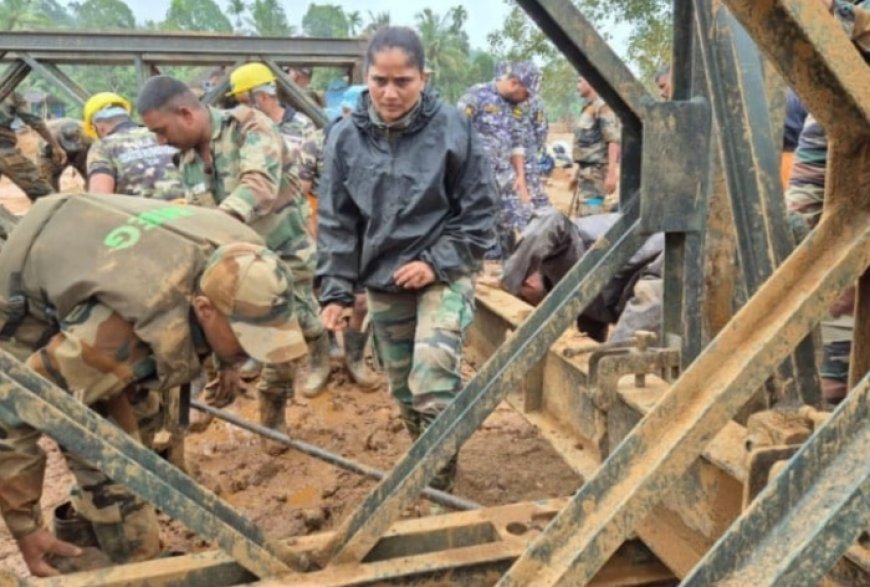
<point>136,538</point>
<point>199,421</point>
<point>250,370</point>
<point>318,366</point>
<point>70,526</point>
<point>445,479</point>
<point>335,350</point>
<point>272,407</point>
<point>354,360</point>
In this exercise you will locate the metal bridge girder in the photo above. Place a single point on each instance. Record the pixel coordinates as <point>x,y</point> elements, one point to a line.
<point>808,516</point>
<point>46,407</point>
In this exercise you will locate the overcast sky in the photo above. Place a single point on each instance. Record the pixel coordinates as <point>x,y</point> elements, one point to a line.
<point>484,16</point>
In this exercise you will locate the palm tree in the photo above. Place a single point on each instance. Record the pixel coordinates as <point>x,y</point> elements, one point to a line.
<point>376,21</point>
<point>354,22</point>
<point>444,46</point>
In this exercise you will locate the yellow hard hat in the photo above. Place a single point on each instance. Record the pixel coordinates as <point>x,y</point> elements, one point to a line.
<point>249,76</point>
<point>99,102</point>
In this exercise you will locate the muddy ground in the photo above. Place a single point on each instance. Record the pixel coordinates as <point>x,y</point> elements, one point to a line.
<point>505,461</point>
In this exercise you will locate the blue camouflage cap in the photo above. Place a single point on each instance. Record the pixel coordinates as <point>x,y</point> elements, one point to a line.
<point>526,72</point>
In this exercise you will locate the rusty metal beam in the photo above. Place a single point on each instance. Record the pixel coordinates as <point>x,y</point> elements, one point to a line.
<point>808,516</point>
<point>47,408</point>
<point>482,394</point>
<point>813,54</point>
<point>12,77</point>
<point>660,449</point>
<point>751,163</point>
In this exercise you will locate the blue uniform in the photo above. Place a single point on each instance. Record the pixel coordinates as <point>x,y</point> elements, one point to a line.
<point>535,135</point>
<point>499,123</point>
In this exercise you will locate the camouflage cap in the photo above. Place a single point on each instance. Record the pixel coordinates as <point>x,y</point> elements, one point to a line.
<point>252,287</point>
<point>527,72</point>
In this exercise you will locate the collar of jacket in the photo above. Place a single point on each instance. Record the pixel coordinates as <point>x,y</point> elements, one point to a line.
<point>417,118</point>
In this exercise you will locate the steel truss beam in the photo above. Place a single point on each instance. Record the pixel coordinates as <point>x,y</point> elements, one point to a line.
<point>14,75</point>
<point>46,407</point>
<point>53,74</point>
<point>808,516</point>
<point>655,455</point>
<point>108,48</point>
<point>751,165</point>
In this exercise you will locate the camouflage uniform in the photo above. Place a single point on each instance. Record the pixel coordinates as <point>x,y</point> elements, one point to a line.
<point>596,129</point>
<point>536,139</point>
<point>380,208</point>
<point>123,329</point>
<point>305,142</point>
<point>499,123</point>
<point>139,165</point>
<point>69,135</point>
<point>252,176</point>
<point>13,163</point>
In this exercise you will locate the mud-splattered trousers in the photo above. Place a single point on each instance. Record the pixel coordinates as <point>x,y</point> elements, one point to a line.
<point>419,338</point>
<point>95,356</point>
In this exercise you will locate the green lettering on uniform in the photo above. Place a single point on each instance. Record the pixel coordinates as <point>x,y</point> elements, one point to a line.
<point>126,236</point>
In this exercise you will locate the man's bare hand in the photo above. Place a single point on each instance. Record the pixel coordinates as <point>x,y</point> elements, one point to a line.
<point>58,155</point>
<point>223,390</point>
<point>414,275</point>
<point>610,183</point>
<point>522,191</point>
<point>37,546</point>
<point>332,317</point>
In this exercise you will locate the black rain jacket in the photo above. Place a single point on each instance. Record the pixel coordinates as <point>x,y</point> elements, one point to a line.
<point>389,196</point>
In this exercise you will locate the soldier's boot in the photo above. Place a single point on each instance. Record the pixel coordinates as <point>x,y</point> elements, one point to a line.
<point>354,359</point>
<point>445,479</point>
<point>272,406</point>
<point>136,537</point>
<point>335,350</point>
<point>318,366</point>
<point>200,421</point>
<point>70,526</point>
<point>250,370</point>
<point>416,422</point>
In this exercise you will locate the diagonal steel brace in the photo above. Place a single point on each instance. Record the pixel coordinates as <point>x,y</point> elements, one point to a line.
<point>808,516</point>
<point>46,407</point>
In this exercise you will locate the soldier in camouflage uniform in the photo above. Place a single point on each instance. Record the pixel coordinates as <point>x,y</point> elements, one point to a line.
<point>406,211</point>
<point>596,153</point>
<point>253,84</point>
<point>805,197</point>
<point>69,135</point>
<point>129,308</point>
<point>237,161</point>
<point>126,158</point>
<point>495,110</point>
<point>13,164</point>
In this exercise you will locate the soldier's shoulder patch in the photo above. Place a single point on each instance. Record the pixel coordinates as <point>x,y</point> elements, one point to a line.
<point>469,110</point>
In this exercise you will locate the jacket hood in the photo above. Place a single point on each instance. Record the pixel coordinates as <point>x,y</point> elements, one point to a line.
<point>429,107</point>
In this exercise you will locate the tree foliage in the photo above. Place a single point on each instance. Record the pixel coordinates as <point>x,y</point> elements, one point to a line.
<point>269,19</point>
<point>21,15</point>
<point>103,15</point>
<point>325,20</point>
<point>647,44</point>
<point>196,15</point>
